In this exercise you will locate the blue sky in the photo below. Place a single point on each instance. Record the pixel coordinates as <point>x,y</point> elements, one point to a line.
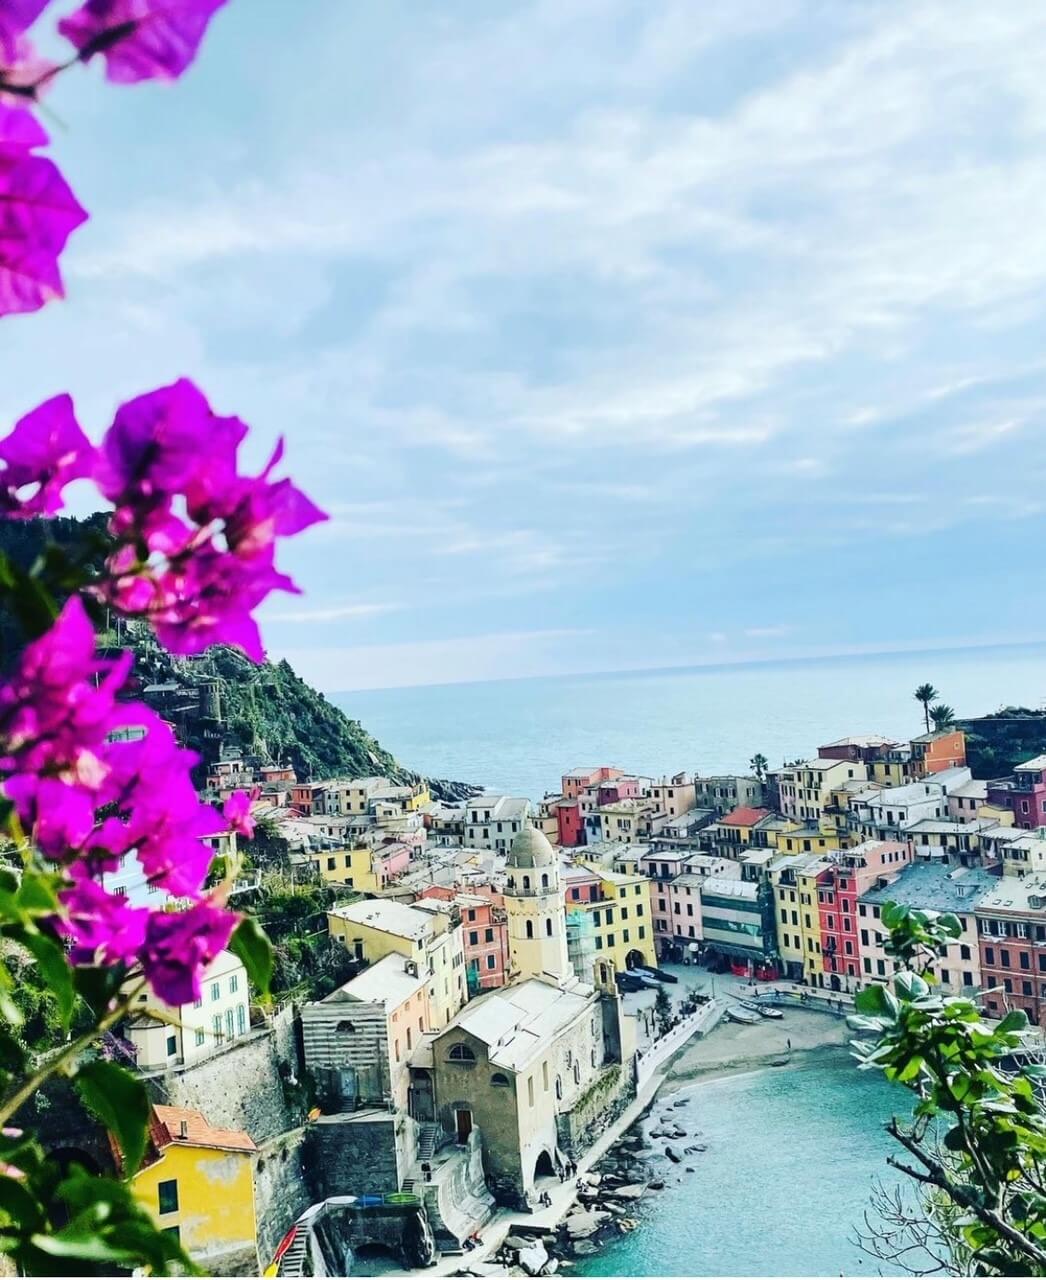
<point>611,335</point>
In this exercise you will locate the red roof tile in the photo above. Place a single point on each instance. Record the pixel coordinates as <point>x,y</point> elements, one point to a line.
<point>745,816</point>
<point>180,1124</point>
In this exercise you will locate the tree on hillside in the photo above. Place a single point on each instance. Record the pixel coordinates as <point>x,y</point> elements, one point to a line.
<point>942,715</point>
<point>926,694</point>
<point>759,765</point>
<point>975,1148</point>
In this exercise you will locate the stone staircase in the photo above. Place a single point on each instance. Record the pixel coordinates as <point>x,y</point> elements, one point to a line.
<point>293,1261</point>
<point>427,1135</point>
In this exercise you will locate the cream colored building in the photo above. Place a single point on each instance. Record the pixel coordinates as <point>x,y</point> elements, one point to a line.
<point>164,1036</point>
<point>806,788</point>
<point>377,927</point>
<point>537,937</point>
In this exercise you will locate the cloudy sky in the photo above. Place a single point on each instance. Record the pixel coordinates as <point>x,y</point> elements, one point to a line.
<point>611,334</point>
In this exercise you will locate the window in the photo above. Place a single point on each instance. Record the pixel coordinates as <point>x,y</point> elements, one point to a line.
<point>530,928</point>
<point>460,1053</point>
<point>1004,959</point>
<point>234,984</point>
<point>473,937</point>
<point>331,863</point>
<point>198,1004</point>
<point>492,962</point>
<point>989,955</point>
<point>216,990</point>
<point>964,952</point>
<point>167,1196</point>
<point>488,935</point>
<point>530,1090</point>
<point>217,1024</point>
<point>500,1081</point>
<point>228,1023</point>
<point>526,882</point>
<point>241,1019</point>
<point>548,927</point>
<point>201,1036</point>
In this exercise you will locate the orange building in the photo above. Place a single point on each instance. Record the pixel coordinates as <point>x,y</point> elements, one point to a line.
<point>932,752</point>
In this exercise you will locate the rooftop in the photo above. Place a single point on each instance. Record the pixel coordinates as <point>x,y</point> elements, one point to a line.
<point>519,1022</point>
<point>935,887</point>
<point>388,917</point>
<point>729,888</point>
<point>1036,765</point>
<point>861,740</point>
<point>744,816</point>
<point>168,1124</point>
<point>387,982</point>
<point>1009,893</point>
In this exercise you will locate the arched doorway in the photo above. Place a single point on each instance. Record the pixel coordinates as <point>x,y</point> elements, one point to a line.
<point>836,984</point>
<point>420,1099</point>
<point>635,960</point>
<point>374,1259</point>
<point>544,1168</point>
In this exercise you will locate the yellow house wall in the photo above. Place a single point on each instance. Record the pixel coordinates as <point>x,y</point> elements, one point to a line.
<point>215,1214</point>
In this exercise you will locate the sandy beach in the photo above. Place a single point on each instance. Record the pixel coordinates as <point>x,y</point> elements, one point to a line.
<point>734,1046</point>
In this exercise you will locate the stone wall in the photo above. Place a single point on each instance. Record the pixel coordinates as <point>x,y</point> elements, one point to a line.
<point>239,1087</point>
<point>598,1107</point>
<point>347,1155</point>
<point>697,1024</point>
<point>281,1190</point>
<point>458,1199</point>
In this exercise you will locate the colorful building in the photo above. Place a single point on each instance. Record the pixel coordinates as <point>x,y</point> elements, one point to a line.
<point>198,1183</point>
<point>1024,793</point>
<point>164,1036</point>
<point>737,922</point>
<point>622,918</point>
<point>932,752</point>
<point>851,873</point>
<point>724,792</point>
<point>430,939</point>
<point>806,789</point>
<point>578,780</point>
<point>1011,928</point>
<point>784,874</point>
<point>367,868</point>
<point>927,886</point>
<point>493,821</point>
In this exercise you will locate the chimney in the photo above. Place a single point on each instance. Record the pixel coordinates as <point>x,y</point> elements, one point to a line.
<point>183,1129</point>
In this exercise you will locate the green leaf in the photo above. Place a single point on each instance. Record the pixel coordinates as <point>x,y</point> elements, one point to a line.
<point>37,895</point>
<point>54,969</point>
<point>250,944</point>
<point>1015,1020</point>
<point>19,1205</point>
<point>80,1244</point>
<point>120,1101</point>
<point>871,1001</point>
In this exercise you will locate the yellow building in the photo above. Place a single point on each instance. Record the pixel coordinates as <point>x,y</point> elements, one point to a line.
<point>806,788</point>
<point>809,840</point>
<point>806,878</point>
<point>622,918</point>
<point>377,927</point>
<point>198,1182</point>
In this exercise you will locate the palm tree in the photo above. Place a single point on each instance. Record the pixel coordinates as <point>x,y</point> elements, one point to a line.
<point>758,764</point>
<point>942,716</point>
<point>925,694</point>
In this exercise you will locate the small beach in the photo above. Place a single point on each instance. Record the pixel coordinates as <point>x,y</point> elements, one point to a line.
<point>800,1037</point>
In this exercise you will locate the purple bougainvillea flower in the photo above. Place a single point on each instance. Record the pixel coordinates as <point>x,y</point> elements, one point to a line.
<point>157,443</point>
<point>179,945</point>
<point>103,928</point>
<point>45,451</point>
<point>166,457</point>
<point>16,17</point>
<point>237,812</point>
<point>140,39</point>
<point>38,213</point>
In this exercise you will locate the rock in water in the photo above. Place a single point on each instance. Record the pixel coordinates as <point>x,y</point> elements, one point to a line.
<point>535,1258</point>
<point>632,1192</point>
<point>672,1155</point>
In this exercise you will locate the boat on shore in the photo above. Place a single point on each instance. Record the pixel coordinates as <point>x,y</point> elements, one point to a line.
<point>737,1014</point>
<point>763,1010</point>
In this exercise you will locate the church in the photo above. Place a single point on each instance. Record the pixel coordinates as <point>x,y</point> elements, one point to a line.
<point>535,1069</point>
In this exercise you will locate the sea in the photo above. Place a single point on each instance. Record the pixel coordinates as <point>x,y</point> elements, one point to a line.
<point>792,1154</point>
<point>519,736</point>
<point>783,1187</point>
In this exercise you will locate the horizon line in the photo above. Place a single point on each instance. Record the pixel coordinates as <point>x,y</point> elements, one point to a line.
<point>723,664</point>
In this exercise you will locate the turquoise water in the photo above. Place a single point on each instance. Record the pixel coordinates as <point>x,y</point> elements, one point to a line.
<point>520,735</point>
<point>791,1158</point>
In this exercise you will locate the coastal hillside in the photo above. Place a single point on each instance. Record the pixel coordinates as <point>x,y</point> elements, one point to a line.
<point>996,743</point>
<point>221,700</point>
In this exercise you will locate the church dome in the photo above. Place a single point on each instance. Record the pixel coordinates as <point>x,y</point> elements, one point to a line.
<point>531,849</point>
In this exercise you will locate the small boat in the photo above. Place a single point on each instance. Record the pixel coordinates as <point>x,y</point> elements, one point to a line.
<point>736,1014</point>
<point>764,1010</point>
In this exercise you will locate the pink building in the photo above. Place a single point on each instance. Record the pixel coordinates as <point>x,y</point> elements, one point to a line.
<point>1024,794</point>
<point>853,872</point>
<point>579,885</point>
<point>570,825</point>
<point>578,780</point>
<point>389,861</point>
<point>484,933</point>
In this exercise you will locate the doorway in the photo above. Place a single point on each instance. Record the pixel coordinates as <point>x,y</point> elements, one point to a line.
<point>462,1124</point>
